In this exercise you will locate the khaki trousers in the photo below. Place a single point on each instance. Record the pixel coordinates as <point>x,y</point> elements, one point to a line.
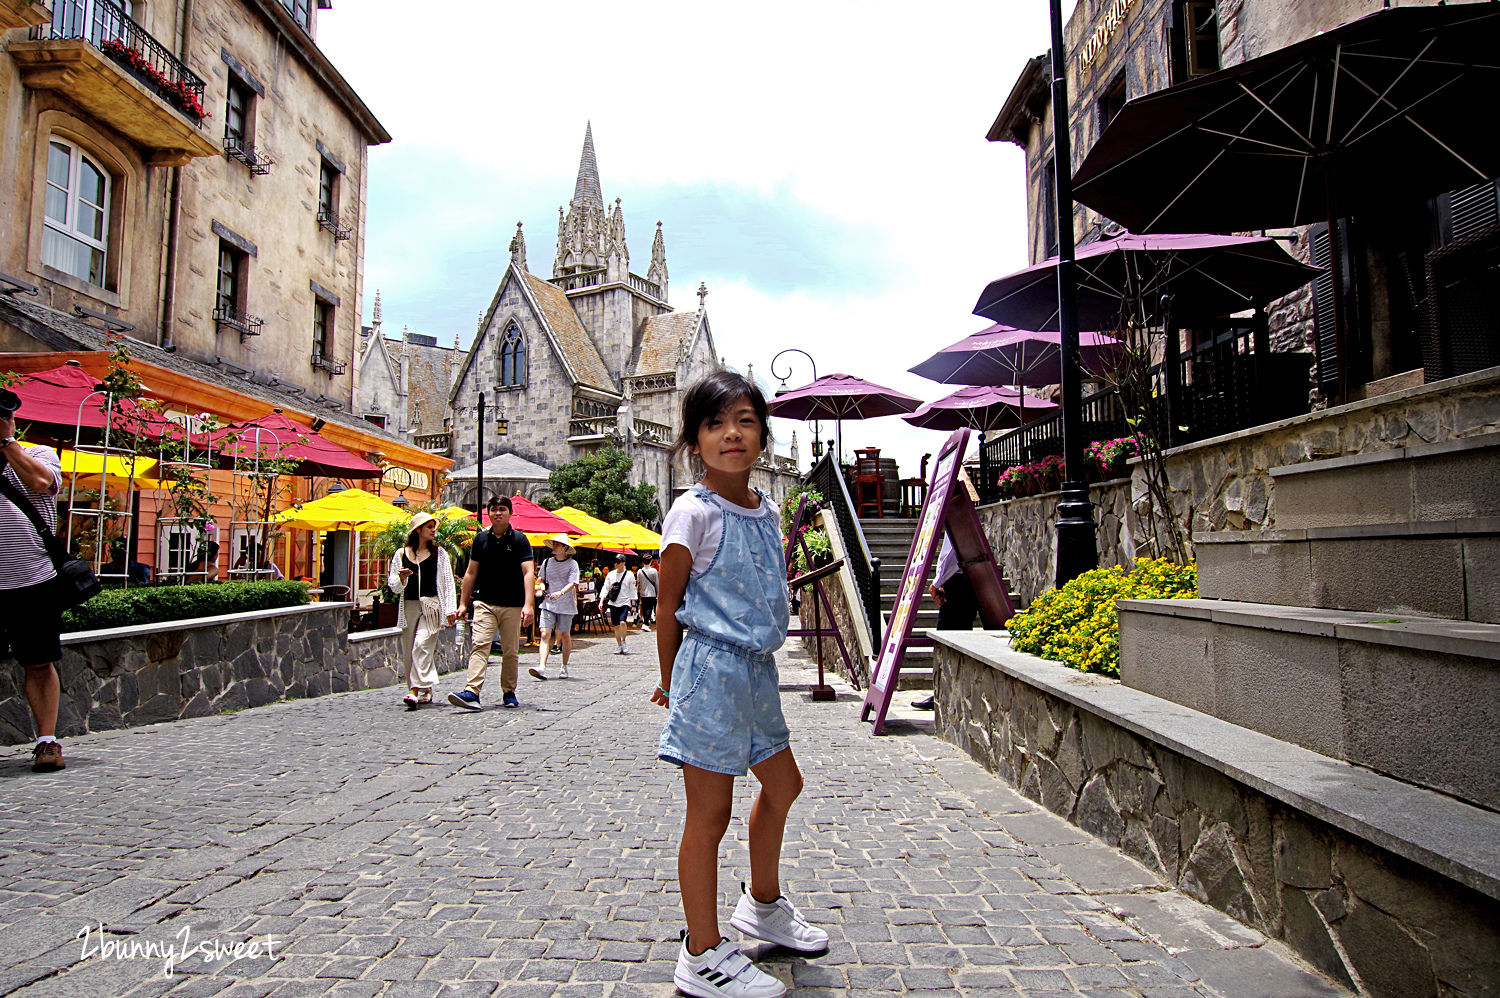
<point>419,649</point>
<point>488,620</point>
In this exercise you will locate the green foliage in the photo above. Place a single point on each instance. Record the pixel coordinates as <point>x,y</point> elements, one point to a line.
<point>119,380</point>
<point>1079,624</point>
<point>154,604</point>
<point>789,505</point>
<point>452,535</point>
<point>599,484</point>
<point>9,379</point>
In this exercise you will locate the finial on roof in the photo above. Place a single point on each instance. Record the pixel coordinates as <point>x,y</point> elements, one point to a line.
<point>518,249</point>
<point>376,320</point>
<point>587,190</point>
<point>478,324</point>
<point>702,293</point>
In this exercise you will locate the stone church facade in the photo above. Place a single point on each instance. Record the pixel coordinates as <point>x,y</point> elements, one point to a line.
<point>591,356</point>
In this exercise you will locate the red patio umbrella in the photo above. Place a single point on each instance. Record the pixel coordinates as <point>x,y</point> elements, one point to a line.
<point>277,437</point>
<point>529,518</point>
<point>981,408</point>
<point>1126,275</point>
<point>1005,355</point>
<point>67,396</point>
<point>839,397</point>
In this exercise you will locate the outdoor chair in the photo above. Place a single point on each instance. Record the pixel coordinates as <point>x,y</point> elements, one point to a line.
<point>914,491</point>
<point>869,483</point>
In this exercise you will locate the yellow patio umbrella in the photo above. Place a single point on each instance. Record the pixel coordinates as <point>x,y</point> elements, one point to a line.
<point>119,473</point>
<point>457,513</point>
<point>600,534</point>
<point>351,509</point>
<point>640,537</point>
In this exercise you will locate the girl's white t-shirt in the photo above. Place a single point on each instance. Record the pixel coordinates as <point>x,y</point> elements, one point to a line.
<point>698,524</point>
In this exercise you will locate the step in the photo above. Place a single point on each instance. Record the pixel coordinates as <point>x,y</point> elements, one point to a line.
<point>1444,568</point>
<point>1412,697</point>
<point>1445,481</point>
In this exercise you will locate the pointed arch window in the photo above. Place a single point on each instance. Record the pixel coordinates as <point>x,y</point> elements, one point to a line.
<point>512,359</point>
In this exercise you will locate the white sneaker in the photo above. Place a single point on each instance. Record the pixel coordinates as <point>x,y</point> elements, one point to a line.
<point>564,672</point>
<point>723,971</point>
<point>539,673</point>
<point>778,922</point>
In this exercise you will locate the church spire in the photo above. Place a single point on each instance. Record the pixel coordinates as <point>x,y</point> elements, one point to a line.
<point>658,273</point>
<point>587,191</point>
<point>518,249</point>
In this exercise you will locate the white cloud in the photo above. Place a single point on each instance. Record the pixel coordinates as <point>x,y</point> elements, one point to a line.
<point>872,113</point>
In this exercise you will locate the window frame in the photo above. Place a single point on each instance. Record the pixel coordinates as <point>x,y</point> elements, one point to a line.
<point>328,181</point>
<point>236,87</point>
<point>237,272</point>
<point>513,358</point>
<point>1112,98</point>
<point>323,327</point>
<point>66,227</point>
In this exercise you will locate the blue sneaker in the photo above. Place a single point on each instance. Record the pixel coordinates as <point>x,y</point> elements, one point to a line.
<point>509,700</point>
<point>468,699</point>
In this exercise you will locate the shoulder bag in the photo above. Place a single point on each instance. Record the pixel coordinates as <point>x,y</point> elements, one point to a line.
<point>75,582</point>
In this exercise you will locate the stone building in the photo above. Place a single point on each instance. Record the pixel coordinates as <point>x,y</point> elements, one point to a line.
<point>1122,49</point>
<point>593,355</point>
<point>195,171</point>
<point>403,384</point>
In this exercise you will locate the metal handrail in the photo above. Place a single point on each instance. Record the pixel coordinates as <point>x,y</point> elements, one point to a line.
<point>105,25</point>
<point>826,478</point>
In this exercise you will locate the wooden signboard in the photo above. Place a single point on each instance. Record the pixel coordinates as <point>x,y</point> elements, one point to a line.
<point>948,508</point>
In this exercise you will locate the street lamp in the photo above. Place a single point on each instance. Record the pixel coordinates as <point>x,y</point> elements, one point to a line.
<point>817,445</point>
<point>1077,550</point>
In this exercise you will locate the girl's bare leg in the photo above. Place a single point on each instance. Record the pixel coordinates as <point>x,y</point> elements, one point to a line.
<point>780,783</point>
<point>709,798</point>
<point>546,640</point>
<point>565,640</point>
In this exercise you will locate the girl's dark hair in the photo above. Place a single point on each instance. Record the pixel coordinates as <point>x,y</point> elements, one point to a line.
<point>709,397</point>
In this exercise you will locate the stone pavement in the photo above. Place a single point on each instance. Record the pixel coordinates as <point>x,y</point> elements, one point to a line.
<point>531,853</point>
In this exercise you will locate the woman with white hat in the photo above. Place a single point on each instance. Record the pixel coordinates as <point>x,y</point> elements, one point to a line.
<point>421,576</point>
<point>559,577</point>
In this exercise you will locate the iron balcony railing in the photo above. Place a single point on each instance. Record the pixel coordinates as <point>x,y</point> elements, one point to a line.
<point>824,476</point>
<point>236,147</point>
<point>322,362</point>
<point>229,317</point>
<point>340,229</point>
<point>105,25</point>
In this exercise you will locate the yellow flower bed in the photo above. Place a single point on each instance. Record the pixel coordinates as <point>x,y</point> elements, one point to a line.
<point>1078,624</point>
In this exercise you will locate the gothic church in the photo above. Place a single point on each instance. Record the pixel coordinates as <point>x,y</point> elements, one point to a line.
<point>591,356</point>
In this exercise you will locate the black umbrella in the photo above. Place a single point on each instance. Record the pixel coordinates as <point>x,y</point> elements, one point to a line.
<point>1375,109</point>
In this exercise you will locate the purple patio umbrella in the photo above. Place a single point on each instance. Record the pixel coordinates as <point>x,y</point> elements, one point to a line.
<point>1126,275</point>
<point>839,397</point>
<point>980,408</point>
<point>1005,355</point>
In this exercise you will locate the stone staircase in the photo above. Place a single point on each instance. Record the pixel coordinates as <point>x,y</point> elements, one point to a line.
<point>890,539</point>
<point>1365,626</point>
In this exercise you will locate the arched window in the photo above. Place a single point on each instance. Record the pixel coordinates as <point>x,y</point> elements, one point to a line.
<point>75,238</point>
<point>512,359</point>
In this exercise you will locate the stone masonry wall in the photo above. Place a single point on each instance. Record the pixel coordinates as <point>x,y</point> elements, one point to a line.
<point>1378,923</point>
<point>1021,533</point>
<point>207,666</point>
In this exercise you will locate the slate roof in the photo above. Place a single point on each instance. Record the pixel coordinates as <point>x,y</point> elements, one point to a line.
<point>508,467</point>
<point>429,388</point>
<point>578,349</point>
<point>662,340</point>
<point>58,331</point>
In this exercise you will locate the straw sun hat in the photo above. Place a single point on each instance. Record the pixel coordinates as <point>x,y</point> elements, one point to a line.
<point>421,519</point>
<point>560,539</point>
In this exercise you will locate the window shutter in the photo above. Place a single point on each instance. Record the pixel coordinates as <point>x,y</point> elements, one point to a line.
<point>1325,336</point>
<point>1473,208</point>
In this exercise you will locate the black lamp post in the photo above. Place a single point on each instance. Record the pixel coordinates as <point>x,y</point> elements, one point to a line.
<point>817,427</point>
<point>1077,551</point>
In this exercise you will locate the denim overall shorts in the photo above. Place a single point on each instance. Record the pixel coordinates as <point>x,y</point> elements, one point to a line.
<point>725,708</point>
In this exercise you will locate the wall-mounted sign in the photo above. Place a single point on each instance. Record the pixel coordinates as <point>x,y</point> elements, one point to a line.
<point>405,478</point>
<point>1114,16</point>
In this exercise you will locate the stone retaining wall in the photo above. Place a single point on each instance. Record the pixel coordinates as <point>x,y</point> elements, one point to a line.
<point>1374,920</point>
<point>1021,532</point>
<point>128,676</point>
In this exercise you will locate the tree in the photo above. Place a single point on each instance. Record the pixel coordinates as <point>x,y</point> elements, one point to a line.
<point>599,484</point>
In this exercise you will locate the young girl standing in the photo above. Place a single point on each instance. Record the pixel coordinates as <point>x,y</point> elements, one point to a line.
<point>723,612</point>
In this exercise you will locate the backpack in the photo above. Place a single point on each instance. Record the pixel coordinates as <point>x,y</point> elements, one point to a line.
<point>614,590</point>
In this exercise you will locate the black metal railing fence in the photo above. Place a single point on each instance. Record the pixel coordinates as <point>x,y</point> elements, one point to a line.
<point>825,477</point>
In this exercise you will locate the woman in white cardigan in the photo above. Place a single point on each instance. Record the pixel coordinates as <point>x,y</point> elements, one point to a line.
<point>421,576</point>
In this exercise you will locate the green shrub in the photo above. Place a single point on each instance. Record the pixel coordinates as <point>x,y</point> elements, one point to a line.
<point>1079,624</point>
<point>154,604</point>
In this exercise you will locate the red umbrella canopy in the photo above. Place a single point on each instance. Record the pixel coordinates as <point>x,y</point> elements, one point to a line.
<point>529,518</point>
<point>56,395</point>
<point>276,437</point>
<point>842,396</point>
<point>1126,275</point>
<point>981,407</point>
<point>1005,355</point>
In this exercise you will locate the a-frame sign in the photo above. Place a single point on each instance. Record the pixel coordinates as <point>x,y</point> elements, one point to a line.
<point>948,507</point>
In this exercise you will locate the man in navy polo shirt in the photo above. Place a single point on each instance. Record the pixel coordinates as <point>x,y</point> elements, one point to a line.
<point>499,587</point>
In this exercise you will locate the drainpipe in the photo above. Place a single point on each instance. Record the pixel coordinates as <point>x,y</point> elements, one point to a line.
<point>174,205</point>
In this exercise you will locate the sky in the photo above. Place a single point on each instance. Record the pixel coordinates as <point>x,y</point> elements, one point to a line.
<point>821,166</point>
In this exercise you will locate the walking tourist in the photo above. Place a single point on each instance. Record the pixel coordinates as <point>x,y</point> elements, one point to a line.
<point>29,482</point>
<point>499,589</point>
<point>646,582</point>
<point>724,611</point>
<point>422,577</point>
<point>559,575</point>
<point>957,604</point>
<point>616,595</point>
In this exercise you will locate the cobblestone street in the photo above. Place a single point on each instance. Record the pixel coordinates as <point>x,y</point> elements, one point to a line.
<point>531,853</point>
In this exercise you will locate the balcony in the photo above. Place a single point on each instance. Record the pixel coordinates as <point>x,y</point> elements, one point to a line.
<point>436,443</point>
<point>96,56</point>
<point>23,14</point>
<point>258,163</point>
<point>321,362</point>
<point>229,317</point>
<point>338,227</point>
